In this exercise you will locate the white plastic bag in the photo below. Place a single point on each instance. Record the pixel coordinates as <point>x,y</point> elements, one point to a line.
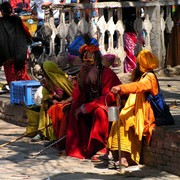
<point>38,96</point>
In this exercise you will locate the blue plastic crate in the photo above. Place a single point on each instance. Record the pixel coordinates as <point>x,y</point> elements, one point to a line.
<point>22,92</point>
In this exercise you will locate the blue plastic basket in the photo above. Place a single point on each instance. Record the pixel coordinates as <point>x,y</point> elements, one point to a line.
<point>22,92</point>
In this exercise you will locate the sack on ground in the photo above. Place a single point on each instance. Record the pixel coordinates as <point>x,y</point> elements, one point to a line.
<point>38,96</point>
<point>33,121</point>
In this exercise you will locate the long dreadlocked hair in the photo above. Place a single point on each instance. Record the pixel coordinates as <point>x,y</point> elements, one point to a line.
<point>99,65</point>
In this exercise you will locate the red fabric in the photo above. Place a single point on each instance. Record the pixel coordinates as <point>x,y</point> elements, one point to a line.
<point>89,133</point>
<point>13,75</point>
<point>130,41</point>
<point>26,5</point>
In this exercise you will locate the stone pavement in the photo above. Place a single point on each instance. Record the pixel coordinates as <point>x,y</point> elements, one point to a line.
<point>18,163</point>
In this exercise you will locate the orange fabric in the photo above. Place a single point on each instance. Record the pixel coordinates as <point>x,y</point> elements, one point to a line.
<point>147,61</point>
<point>59,120</point>
<point>147,83</point>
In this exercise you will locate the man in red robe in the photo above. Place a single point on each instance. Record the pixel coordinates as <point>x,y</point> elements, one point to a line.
<point>88,124</point>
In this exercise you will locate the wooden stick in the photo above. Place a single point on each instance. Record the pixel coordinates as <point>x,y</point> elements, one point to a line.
<point>24,135</point>
<point>119,144</point>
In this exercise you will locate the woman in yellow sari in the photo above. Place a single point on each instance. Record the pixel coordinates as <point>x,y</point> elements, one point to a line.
<point>56,91</point>
<point>136,118</point>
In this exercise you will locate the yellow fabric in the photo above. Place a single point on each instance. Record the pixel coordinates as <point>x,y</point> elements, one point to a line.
<point>58,78</point>
<point>147,60</point>
<point>44,121</point>
<point>133,114</point>
<point>128,141</point>
<point>33,120</point>
<point>132,126</point>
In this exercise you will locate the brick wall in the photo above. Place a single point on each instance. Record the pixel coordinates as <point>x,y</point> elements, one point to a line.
<point>164,150</point>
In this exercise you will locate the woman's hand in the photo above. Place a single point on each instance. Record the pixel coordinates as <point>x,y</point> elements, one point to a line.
<point>115,89</point>
<point>63,102</point>
<point>55,101</point>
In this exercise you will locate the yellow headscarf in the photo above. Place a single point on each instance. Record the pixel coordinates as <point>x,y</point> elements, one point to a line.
<point>147,60</point>
<point>58,77</point>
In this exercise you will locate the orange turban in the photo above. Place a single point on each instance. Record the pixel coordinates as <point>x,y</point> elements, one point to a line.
<point>147,61</point>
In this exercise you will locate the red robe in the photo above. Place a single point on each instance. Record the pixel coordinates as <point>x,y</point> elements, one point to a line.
<point>89,133</point>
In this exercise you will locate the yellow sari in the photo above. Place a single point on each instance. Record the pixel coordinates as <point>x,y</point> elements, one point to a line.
<point>136,119</point>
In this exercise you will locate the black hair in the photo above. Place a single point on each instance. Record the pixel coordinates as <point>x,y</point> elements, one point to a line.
<point>6,8</point>
<point>137,73</point>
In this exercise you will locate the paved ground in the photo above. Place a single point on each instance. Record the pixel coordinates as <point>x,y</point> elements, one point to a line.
<point>17,160</point>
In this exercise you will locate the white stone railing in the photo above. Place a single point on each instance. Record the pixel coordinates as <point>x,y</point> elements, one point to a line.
<point>157,20</point>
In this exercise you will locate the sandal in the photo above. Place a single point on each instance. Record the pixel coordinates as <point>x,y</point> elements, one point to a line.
<point>115,165</point>
<point>95,158</point>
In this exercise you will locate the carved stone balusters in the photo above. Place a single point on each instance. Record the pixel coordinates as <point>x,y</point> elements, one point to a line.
<point>156,45</point>
<point>102,27</point>
<point>163,49</point>
<point>73,29</point>
<point>138,24</point>
<point>147,26</point>
<point>119,50</point>
<point>83,26</point>
<point>110,30</point>
<point>62,32</point>
<point>93,30</point>
<point>169,21</point>
<point>50,22</point>
<point>46,13</point>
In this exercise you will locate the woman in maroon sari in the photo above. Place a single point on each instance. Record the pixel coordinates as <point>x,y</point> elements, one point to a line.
<point>88,124</point>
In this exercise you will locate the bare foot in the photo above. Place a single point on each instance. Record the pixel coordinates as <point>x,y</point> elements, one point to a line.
<point>124,162</point>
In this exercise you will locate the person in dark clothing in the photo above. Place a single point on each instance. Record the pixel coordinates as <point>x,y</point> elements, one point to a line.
<point>13,45</point>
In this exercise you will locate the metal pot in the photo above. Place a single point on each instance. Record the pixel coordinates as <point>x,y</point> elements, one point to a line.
<point>113,113</point>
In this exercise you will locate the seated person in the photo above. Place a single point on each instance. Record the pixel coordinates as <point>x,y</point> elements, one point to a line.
<point>19,5</point>
<point>56,88</point>
<point>136,117</point>
<point>88,124</point>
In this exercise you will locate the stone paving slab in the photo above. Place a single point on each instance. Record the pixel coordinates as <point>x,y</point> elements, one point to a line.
<point>18,163</point>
